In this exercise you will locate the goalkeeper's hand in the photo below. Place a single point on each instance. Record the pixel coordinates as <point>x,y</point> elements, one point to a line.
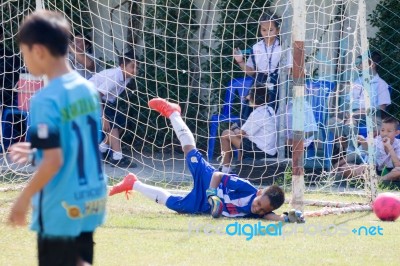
<point>215,202</point>
<point>294,216</point>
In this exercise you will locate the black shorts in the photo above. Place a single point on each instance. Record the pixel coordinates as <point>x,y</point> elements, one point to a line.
<point>115,117</point>
<point>65,251</point>
<point>251,151</point>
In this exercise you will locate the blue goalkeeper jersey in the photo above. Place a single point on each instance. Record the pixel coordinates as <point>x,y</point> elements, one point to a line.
<point>66,114</point>
<point>238,195</point>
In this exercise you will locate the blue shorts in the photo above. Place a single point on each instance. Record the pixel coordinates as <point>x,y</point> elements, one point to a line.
<point>196,201</point>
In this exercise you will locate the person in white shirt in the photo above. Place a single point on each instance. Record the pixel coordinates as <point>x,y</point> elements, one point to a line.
<point>356,116</point>
<point>110,83</point>
<point>80,58</point>
<point>310,125</point>
<point>380,97</point>
<point>266,57</point>
<point>257,137</point>
<point>387,154</point>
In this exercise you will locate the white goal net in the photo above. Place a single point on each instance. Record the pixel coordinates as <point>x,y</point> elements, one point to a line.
<point>185,53</point>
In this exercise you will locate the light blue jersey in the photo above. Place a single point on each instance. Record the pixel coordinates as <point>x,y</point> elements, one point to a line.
<point>66,114</point>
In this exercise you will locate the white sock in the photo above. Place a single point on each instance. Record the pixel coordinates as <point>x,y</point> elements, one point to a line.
<point>117,155</point>
<point>157,194</point>
<point>226,169</point>
<point>182,131</point>
<point>103,147</point>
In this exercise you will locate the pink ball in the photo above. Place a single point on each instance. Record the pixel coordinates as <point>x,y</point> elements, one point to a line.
<point>387,206</point>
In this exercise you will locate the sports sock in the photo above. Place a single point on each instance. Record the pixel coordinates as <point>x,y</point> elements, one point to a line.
<point>157,194</point>
<point>226,169</point>
<point>117,155</point>
<point>103,147</point>
<point>182,131</point>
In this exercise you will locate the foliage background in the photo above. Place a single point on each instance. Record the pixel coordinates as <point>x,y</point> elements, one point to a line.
<point>386,41</point>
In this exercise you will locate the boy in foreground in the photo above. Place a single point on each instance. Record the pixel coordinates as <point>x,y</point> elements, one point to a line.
<point>213,191</point>
<point>68,190</point>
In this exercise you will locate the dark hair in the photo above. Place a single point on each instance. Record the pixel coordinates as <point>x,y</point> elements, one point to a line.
<point>47,28</point>
<point>86,39</point>
<point>375,57</point>
<point>270,17</point>
<point>258,94</point>
<point>391,120</point>
<point>276,196</point>
<point>127,58</point>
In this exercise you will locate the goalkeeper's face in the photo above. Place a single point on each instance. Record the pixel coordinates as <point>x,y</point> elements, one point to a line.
<point>261,205</point>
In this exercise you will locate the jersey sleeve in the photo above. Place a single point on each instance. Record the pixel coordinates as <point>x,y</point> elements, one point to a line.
<point>102,81</point>
<point>250,59</point>
<point>383,94</point>
<point>256,119</point>
<point>237,184</point>
<point>44,131</point>
<point>252,124</point>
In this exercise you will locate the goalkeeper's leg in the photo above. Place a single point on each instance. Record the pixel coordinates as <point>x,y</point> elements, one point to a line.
<point>159,195</point>
<point>130,182</point>
<point>173,112</point>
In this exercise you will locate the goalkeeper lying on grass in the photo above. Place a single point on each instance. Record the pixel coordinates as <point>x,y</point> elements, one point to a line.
<point>213,191</point>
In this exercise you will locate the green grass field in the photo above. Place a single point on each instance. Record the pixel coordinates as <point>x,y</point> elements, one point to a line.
<point>140,232</point>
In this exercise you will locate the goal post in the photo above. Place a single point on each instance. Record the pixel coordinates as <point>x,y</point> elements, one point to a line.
<point>39,4</point>
<point>371,182</point>
<point>299,34</point>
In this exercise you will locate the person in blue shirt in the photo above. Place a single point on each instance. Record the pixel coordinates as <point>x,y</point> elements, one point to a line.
<point>68,191</point>
<point>213,191</point>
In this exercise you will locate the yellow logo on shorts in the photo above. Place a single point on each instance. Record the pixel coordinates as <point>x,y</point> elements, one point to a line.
<point>193,159</point>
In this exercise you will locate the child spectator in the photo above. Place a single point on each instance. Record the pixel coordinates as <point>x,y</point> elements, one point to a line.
<point>257,136</point>
<point>387,152</point>
<point>379,99</point>
<point>266,57</point>
<point>213,191</point>
<point>310,126</point>
<point>111,83</point>
<point>68,189</point>
<point>80,57</point>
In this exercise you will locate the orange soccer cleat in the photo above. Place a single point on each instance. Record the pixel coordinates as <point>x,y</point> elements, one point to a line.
<point>125,185</point>
<point>164,107</point>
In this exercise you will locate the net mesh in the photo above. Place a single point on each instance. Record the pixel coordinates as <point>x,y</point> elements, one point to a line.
<point>185,51</point>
